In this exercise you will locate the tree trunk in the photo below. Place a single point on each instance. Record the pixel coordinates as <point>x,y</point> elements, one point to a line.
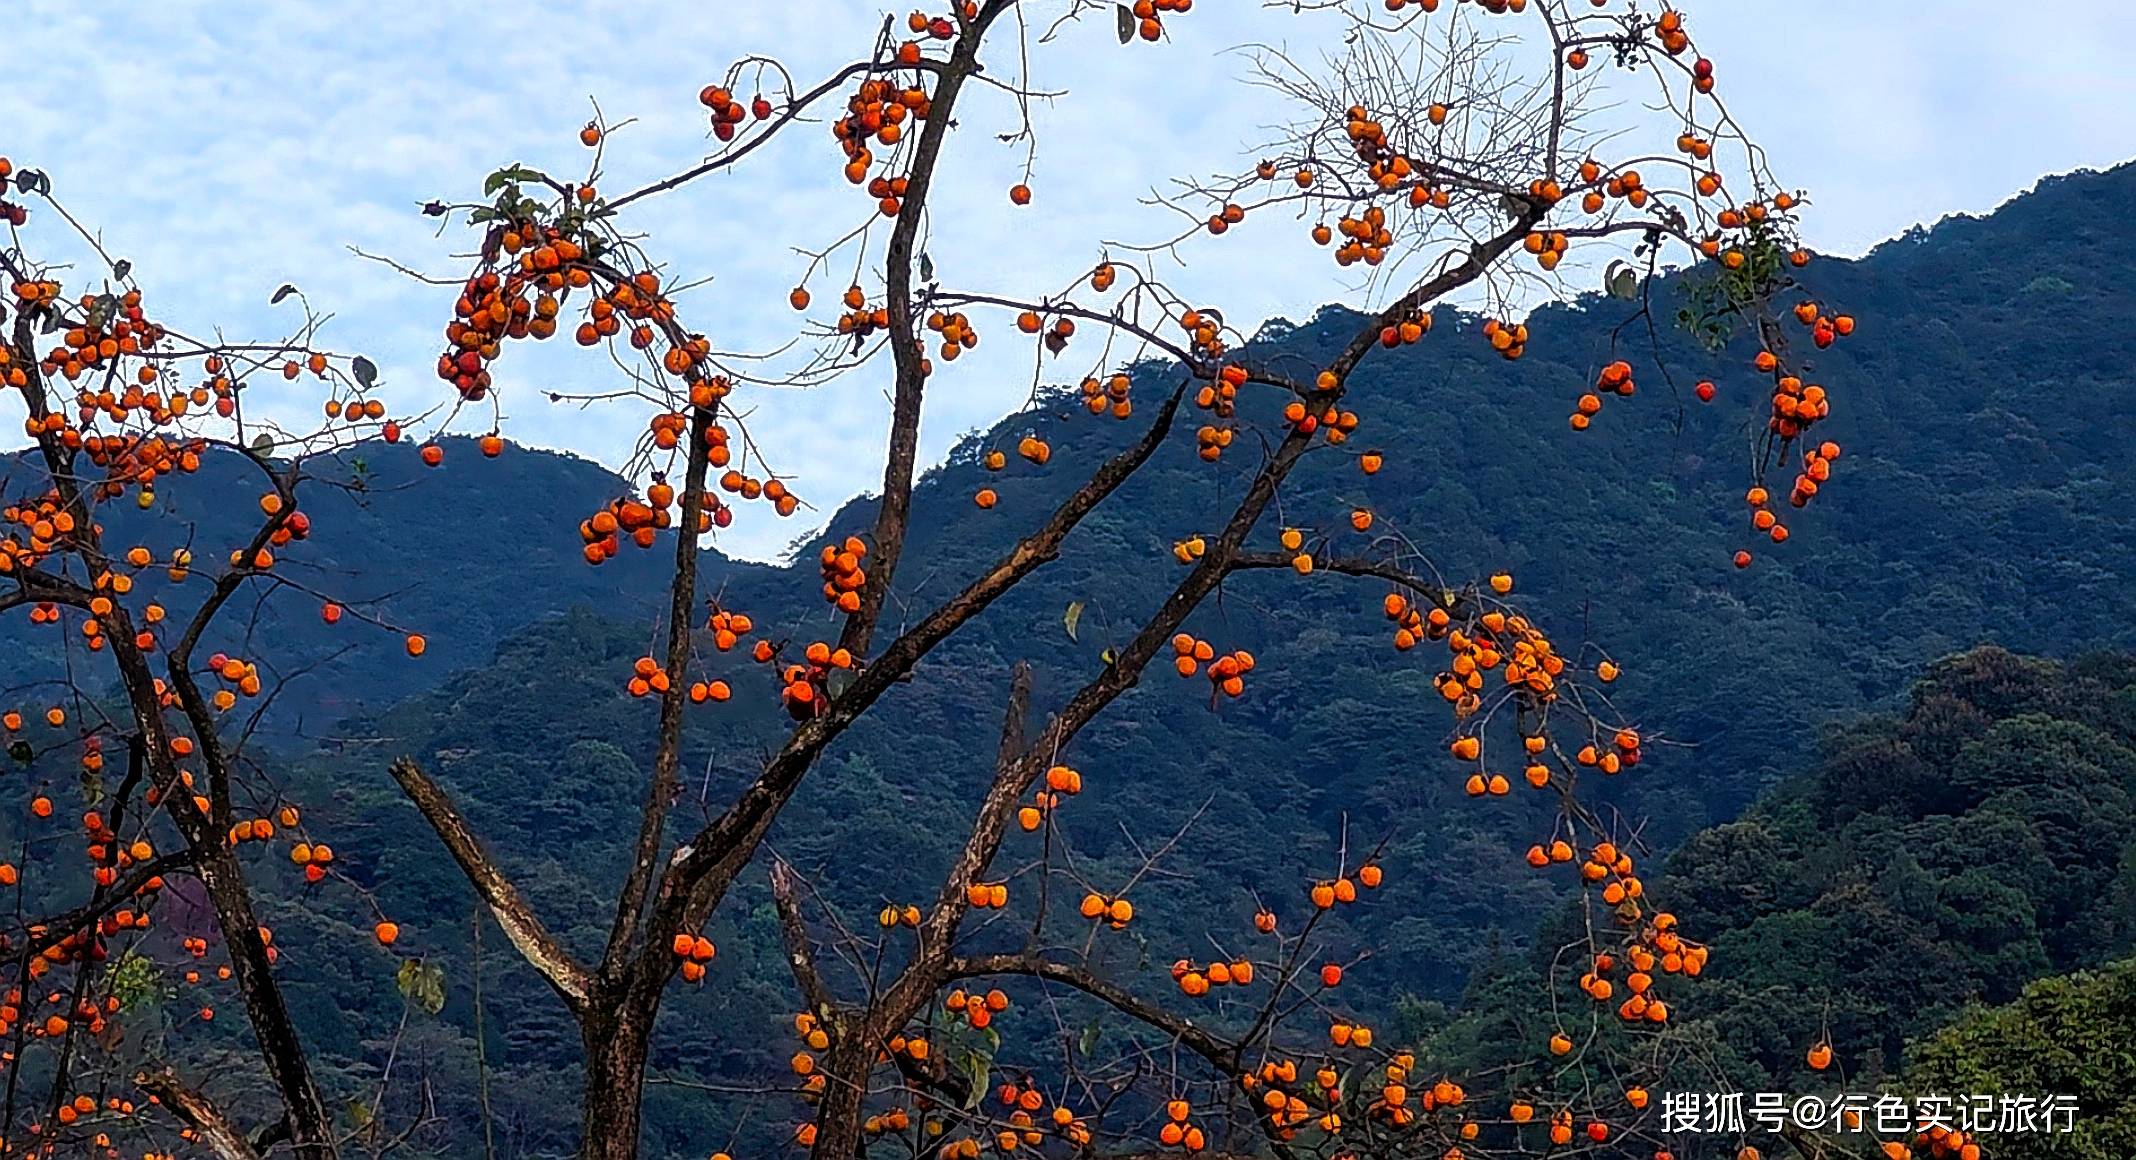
<point>843,1103</point>
<point>311,1134</point>
<point>615,1043</point>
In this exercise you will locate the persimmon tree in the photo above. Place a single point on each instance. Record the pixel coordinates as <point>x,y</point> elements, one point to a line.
<point>118,402</point>
<point>1455,150</point>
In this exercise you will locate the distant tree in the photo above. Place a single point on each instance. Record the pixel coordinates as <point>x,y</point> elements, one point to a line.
<point>1441,152</point>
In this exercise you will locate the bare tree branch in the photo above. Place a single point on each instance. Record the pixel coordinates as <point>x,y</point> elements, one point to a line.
<point>1220,1053</point>
<point>521,925</point>
<point>196,1111</point>
<point>800,955</point>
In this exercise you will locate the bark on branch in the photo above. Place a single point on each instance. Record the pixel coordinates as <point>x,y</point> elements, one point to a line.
<point>1222,556</point>
<point>1386,570</point>
<point>979,849</point>
<point>854,1054</point>
<point>894,510</point>
<point>667,756</point>
<point>518,920</point>
<point>221,1137</point>
<point>800,954</point>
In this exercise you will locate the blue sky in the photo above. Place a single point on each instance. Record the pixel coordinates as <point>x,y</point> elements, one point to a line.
<point>229,147</point>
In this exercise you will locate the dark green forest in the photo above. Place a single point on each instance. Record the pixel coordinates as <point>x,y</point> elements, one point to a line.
<point>2066,1034</point>
<point>1928,863</point>
<point>1878,823</point>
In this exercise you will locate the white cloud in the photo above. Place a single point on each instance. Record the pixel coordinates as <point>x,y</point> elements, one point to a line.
<point>229,147</point>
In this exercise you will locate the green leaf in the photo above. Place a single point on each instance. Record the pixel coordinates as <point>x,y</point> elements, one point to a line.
<point>285,291</point>
<point>136,981</point>
<point>838,682</point>
<point>360,1114</point>
<point>1125,18</point>
<point>977,1068</point>
<point>510,175</point>
<point>1073,617</point>
<point>365,371</point>
<point>263,444</point>
<point>1089,1041</point>
<point>423,985</point>
<point>121,268</point>
<point>1621,281</point>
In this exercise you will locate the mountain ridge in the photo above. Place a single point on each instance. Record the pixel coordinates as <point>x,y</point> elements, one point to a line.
<point>528,502</point>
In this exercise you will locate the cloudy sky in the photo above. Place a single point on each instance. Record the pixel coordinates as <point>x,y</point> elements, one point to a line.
<point>227,147</point>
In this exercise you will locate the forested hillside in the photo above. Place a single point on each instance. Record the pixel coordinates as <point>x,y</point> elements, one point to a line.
<point>1947,856</point>
<point>2068,1034</point>
<point>1982,497</point>
<point>1926,864</point>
